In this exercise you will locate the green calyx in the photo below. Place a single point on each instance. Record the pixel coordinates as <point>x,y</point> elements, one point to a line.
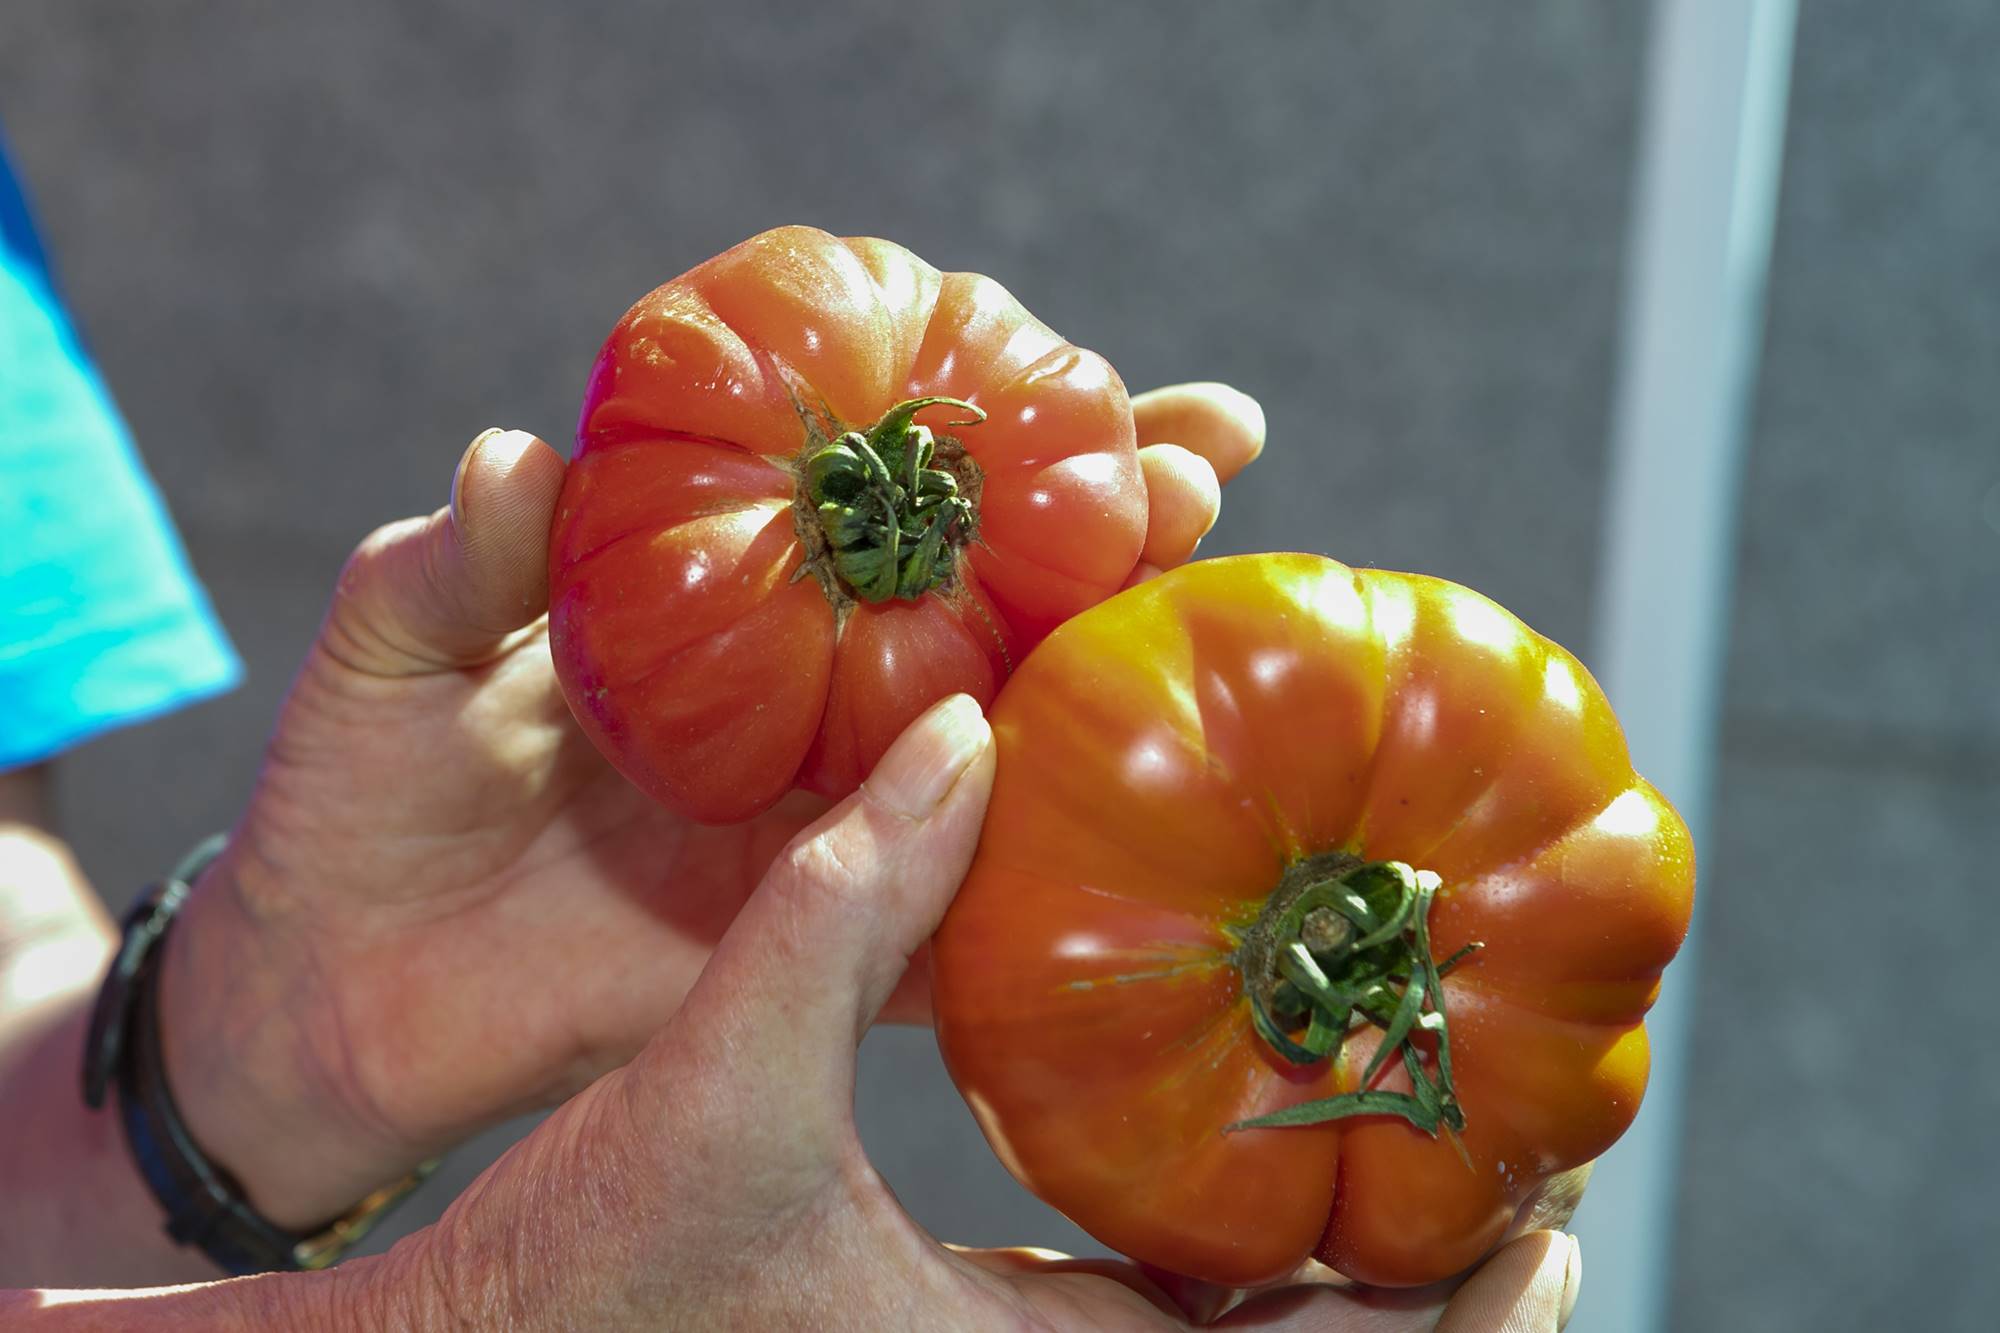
<point>893,511</point>
<point>1341,944</point>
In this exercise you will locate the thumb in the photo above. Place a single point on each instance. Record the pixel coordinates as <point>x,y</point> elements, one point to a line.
<point>809,961</point>
<point>1529,1287</point>
<point>437,593</point>
<point>717,1178</point>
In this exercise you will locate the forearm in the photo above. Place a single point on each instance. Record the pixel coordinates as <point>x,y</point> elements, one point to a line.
<point>77,1218</point>
<point>76,1212</point>
<point>76,1209</point>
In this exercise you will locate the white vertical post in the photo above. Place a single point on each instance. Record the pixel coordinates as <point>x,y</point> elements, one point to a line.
<point>1710,148</point>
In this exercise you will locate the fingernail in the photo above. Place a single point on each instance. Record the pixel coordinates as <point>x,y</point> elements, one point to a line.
<point>1572,1282</point>
<point>464,463</point>
<point>502,446</point>
<point>925,762</point>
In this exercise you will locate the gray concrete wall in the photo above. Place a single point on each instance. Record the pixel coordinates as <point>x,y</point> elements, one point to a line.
<point>1847,1063</point>
<point>318,247</point>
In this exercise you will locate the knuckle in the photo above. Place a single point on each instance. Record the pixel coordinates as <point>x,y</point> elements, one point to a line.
<point>818,865</point>
<point>835,867</point>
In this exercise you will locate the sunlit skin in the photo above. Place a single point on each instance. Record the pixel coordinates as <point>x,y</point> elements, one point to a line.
<point>1162,759</point>
<point>725,620</point>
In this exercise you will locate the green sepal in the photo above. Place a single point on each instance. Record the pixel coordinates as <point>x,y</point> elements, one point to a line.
<point>1385,974</point>
<point>1341,1107</point>
<point>1399,1028</point>
<point>891,521</point>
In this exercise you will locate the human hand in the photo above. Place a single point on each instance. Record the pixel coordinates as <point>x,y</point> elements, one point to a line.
<point>717,1179</point>
<point>442,907</point>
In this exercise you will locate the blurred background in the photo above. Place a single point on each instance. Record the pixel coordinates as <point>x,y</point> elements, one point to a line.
<point>1496,274</point>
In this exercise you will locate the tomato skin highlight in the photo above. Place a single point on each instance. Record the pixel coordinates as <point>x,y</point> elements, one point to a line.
<point>698,637</point>
<point>1162,759</point>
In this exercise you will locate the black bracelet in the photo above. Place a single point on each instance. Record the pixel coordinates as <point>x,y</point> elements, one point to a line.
<point>205,1206</point>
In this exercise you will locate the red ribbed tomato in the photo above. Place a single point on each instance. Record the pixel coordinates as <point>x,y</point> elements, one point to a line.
<point>819,485</point>
<point>1316,914</point>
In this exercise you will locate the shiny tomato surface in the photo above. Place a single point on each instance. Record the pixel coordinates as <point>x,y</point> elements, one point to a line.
<point>1165,760</point>
<point>704,631</point>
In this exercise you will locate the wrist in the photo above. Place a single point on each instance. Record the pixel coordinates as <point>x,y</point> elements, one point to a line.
<point>239,1032</point>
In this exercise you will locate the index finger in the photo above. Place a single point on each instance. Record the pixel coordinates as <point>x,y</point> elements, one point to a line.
<point>1223,425</point>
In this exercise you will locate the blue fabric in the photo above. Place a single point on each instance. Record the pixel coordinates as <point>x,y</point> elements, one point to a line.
<point>101,619</point>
